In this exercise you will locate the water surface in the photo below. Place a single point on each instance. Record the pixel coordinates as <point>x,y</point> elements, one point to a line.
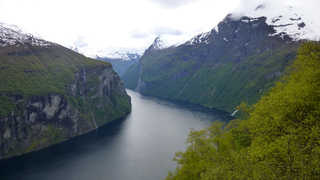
<point>139,147</point>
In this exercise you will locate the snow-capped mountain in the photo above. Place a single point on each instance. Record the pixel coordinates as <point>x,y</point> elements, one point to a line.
<point>111,53</point>
<point>241,57</point>
<point>11,35</point>
<point>287,20</point>
<point>159,43</point>
<point>200,38</point>
<point>126,55</point>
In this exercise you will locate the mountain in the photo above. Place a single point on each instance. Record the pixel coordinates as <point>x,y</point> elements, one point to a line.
<point>237,61</point>
<point>122,63</point>
<point>277,138</point>
<point>121,59</point>
<point>131,76</point>
<point>126,55</point>
<point>85,48</point>
<point>158,44</point>
<point>49,94</point>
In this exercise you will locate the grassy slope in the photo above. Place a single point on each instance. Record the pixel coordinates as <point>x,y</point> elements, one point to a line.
<point>42,71</point>
<point>219,84</point>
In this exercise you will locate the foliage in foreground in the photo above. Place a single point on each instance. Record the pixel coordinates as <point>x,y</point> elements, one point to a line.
<point>278,138</point>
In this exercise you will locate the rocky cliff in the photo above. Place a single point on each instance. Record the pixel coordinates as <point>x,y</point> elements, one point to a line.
<point>49,94</point>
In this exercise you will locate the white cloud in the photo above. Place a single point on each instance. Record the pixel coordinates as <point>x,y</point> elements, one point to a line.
<point>114,23</point>
<point>80,42</point>
<point>167,31</point>
<point>138,34</point>
<point>309,8</point>
<point>173,3</point>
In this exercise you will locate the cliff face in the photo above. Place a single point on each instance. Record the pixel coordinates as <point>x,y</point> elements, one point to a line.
<point>51,94</point>
<point>235,62</point>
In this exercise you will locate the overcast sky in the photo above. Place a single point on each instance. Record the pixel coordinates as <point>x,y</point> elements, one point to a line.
<point>105,24</point>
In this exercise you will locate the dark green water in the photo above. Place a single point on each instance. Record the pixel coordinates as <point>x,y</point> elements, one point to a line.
<point>139,147</point>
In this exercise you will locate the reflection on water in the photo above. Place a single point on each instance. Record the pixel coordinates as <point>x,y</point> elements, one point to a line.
<point>139,147</point>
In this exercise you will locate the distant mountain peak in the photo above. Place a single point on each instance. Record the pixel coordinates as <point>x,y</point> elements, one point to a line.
<point>122,55</point>
<point>159,43</point>
<point>11,35</point>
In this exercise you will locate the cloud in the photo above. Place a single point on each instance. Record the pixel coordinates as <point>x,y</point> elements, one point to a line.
<point>80,42</point>
<point>113,24</point>
<point>156,31</point>
<point>166,31</point>
<point>137,34</point>
<point>275,7</point>
<point>173,3</point>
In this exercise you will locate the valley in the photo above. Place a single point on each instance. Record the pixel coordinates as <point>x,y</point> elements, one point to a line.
<point>175,90</point>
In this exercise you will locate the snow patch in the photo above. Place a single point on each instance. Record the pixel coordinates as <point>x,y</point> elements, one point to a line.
<point>202,38</point>
<point>245,20</point>
<point>216,29</point>
<point>11,35</point>
<point>297,19</point>
<point>109,52</point>
<point>160,43</point>
<point>126,55</point>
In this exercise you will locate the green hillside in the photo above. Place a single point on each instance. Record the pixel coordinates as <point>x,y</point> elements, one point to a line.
<point>51,94</point>
<point>219,84</point>
<point>36,71</point>
<point>277,138</point>
<point>238,63</point>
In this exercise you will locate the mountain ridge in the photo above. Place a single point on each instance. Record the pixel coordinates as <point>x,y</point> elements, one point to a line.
<point>236,61</point>
<point>11,35</point>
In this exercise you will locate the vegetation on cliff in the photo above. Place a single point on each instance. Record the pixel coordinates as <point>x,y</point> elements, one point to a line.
<point>50,94</point>
<point>37,71</point>
<point>277,138</point>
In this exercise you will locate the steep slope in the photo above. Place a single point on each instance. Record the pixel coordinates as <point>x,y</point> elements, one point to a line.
<point>131,77</point>
<point>122,63</point>
<point>49,94</point>
<point>236,61</point>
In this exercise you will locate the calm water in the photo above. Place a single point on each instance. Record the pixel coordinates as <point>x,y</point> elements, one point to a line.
<point>139,147</point>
